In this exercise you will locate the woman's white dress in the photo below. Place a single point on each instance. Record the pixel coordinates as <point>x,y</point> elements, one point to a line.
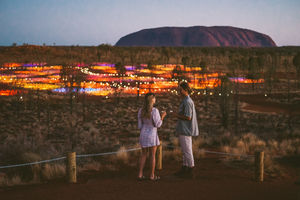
<point>148,127</point>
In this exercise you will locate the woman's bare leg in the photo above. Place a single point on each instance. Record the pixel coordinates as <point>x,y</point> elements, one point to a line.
<point>142,161</point>
<point>152,161</point>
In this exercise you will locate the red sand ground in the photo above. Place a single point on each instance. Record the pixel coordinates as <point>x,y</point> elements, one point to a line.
<point>214,179</point>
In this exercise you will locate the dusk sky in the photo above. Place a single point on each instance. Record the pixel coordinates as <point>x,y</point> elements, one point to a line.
<point>93,22</point>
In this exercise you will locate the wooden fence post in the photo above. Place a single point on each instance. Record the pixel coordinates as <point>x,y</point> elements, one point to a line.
<point>71,167</point>
<point>259,166</point>
<point>159,158</point>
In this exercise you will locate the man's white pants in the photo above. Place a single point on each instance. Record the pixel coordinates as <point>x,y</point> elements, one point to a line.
<point>187,151</point>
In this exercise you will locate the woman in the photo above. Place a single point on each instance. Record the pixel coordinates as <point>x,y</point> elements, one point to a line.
<point>148,121</point>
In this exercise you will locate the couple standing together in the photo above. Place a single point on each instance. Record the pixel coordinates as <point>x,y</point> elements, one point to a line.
<point>149,120</point>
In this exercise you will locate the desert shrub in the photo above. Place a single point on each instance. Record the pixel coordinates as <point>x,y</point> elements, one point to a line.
<point>122,155</point>
<point>249,143</point>
<point>174,141</point>
<point>197,142</point>
<point>11,181</point>
<point>91,166</point>
<point>289,147</point>
<point>120,158</point>
<point>174,154</point>
<point>246,144</point>
<point>272,168</point>
<point>52,171</point>
<point>199,154</point>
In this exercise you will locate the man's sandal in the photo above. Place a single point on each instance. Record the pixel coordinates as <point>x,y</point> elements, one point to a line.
<point>155,178</point>
<point>142,178</point>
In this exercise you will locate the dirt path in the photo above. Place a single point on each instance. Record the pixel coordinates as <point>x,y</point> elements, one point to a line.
<point>259,103</point>
<point>214,179</point>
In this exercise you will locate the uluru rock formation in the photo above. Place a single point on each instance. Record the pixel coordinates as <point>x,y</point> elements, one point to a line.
<point>197,36</point>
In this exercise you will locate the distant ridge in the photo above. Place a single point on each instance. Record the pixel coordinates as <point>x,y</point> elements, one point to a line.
<point>197,36</point>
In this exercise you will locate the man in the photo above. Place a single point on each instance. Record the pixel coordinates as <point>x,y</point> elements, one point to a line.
<point>187,126</point>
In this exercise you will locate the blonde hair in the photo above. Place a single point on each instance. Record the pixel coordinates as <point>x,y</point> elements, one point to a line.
<point>148,105</point>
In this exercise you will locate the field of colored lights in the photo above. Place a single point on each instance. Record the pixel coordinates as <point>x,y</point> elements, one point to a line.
<point>103,79</point>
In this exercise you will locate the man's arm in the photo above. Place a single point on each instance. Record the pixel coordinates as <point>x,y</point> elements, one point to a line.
<point>187,112</point>
<point>182,117</point>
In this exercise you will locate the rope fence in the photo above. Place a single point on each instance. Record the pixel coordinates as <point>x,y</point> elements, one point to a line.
<point>219,153</point>
<point>107,153</point>
<point>227,154</point>
<point>33,163</point>
<point>64,157</point>
<point>71,161</point>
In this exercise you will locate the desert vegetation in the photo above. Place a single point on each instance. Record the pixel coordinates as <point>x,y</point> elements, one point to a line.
<point>106,127</point>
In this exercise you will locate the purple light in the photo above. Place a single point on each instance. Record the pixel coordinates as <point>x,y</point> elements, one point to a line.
<point>130,68</point>
<point>237,78</point>
<point>81,90</point>
<point>103,64</point>
<point>33,64</point>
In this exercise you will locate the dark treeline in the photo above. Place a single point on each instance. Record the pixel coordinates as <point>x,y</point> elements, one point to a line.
<point>214,57</point>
